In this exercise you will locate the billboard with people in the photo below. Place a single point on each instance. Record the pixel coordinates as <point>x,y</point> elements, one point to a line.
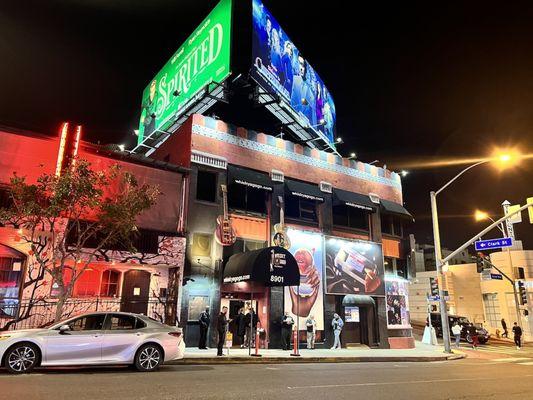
<point>397,303</point>
<point>280,68</point>
<point>354,267</point>
<point>203,59</point>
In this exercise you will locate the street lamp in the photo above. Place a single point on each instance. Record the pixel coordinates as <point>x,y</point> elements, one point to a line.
<point>482,215</point>
<point>501,158</point>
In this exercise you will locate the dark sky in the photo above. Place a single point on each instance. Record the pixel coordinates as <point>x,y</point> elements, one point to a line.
<point>410,81</point>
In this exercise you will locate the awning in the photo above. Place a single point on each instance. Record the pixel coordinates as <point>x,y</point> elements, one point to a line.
<point>351,199</point>
<point>271,266</point>
<point>248,177</point>
<point>304,190</point>
<point>394,208</point>
<point>358,300</point>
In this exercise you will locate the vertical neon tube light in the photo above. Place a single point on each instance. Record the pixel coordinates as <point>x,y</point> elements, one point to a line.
<point>62,145</point>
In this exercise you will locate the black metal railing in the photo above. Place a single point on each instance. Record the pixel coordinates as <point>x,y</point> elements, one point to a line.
<point>41,314</point>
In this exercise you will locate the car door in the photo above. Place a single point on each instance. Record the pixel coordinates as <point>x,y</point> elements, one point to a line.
<point>121,338</point>
<point>82,344</point>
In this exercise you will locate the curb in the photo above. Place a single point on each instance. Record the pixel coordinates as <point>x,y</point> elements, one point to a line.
<point>314,360</point>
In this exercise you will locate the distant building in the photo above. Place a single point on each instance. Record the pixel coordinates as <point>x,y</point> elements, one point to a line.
<point>425,257</point>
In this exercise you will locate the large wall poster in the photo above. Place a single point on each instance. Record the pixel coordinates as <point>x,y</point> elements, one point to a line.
<point>354,267</point>
<point>307,250</point>
<point>397,303</point>
<point>279,67</point>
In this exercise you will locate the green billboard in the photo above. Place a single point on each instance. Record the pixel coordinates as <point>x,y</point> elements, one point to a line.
<point>204,58</point>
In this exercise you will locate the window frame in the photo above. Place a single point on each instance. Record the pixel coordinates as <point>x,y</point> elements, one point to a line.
<point>346,215</point>
<point>291,198</point>
<point>215,194</point>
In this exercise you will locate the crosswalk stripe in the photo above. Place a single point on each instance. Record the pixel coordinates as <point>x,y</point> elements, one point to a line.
<point>526,363</point>
<point>510,359</point>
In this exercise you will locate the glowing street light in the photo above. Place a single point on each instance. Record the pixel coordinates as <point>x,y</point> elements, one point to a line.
<point>482,216</point>
<point>404,173</point>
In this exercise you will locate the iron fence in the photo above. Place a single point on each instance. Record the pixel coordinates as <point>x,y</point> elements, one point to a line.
<point>41,314</point>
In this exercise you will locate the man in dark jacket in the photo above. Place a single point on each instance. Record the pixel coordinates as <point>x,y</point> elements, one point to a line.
<point>222,328</point>
<point>286,329</point>
<point>504,326</point>
<point>204,320</point>
<point>240,326</point>
<point>517,331</point>
<point>251,320</point>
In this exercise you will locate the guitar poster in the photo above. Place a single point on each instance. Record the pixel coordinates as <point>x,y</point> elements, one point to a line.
<point>307,249</point>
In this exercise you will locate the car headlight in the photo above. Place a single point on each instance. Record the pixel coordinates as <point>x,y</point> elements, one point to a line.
<point>4,337</point>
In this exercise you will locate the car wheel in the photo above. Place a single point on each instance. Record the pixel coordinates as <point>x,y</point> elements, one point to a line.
<point>469,339</point>
<point>148,358</point>
<point>21,358</point>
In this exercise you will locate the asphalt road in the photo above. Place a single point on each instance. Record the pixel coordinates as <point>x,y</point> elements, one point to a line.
<point>485,375</point>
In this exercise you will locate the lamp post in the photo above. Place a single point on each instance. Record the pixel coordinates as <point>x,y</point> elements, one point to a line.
<point>503,159</point>
<point>482,215</point>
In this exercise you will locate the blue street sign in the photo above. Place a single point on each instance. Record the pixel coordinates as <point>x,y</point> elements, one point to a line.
<point>498,277</point>
<point>493,244</point>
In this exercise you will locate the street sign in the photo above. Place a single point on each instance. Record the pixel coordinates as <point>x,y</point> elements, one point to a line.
<point>497,277</point>
<point>493,244</point>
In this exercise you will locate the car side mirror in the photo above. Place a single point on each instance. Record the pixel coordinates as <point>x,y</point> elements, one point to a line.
<point>64,329</point>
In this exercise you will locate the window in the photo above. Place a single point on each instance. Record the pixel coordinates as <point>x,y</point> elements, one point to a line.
<point>391,225</point>
<point>10,281</point>
<point>388,265</point>
<point>87,284</point>
<point>242,245</point>
<point>109,285</point>
<point>521,273</point>
<point>122,322</point>
<point>350,217</point>
<point>206,186</point>
<point>492,309</point>
<point>247,199</point>
<point>298,208</point>
<point>401,268</point>
<point>88,323</point>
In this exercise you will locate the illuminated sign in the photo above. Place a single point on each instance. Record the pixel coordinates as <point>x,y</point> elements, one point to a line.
<point>68,148</point>
<point>280,68</point>
<point>203,59</point>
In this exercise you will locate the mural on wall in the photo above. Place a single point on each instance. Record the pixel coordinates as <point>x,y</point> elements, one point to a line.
<point>35,305</point>
<point>307,299</point>
<point>397,303</point>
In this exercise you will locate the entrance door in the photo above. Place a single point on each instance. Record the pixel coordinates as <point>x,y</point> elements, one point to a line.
<point>135,292</point>
<point>234,307</point>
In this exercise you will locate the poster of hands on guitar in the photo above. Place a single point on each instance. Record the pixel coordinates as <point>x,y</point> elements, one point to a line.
<point>307,249</point>
<point>354,267</point>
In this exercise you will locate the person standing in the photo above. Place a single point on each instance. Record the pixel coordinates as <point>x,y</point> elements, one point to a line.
<point>337,324</point>
<point>286,329</point>
<point>517,332</point>
<point>456,330</point>
<point>222,328</point>
<point>251,327</point>
<point>204,320</point>
<point>504,327</point>
<point>240,326</point>
<point>310,323</point>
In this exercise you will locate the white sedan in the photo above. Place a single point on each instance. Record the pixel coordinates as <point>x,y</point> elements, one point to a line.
<point>102,338</point>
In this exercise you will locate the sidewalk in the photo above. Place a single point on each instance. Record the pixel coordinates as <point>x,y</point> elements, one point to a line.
<point>421,353</point>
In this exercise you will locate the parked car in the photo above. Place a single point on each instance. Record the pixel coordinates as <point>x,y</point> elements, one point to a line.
<point>483,334</point>
<point>101,338</point>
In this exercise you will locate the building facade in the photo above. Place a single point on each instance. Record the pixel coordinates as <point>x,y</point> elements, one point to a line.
<point>146,281</point>
<point>332,208</point>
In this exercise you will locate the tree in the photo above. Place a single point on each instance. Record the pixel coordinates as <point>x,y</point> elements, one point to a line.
<point>66,220</point>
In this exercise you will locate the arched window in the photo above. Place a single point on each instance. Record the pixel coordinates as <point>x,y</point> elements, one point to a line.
<point>109,286</point>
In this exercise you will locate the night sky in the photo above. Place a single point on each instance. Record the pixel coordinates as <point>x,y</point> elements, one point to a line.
<point>410,82</point>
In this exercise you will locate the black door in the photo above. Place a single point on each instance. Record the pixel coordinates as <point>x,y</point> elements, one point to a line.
<point>135,292</point>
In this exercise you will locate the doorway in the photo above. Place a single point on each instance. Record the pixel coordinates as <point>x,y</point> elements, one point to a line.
<point>135,292</point>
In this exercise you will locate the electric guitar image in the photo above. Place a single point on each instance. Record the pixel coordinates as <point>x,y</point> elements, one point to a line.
<point>280,237</point>
<point>224,232</point>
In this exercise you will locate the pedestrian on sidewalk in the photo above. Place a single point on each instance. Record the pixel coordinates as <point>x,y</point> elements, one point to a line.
<point>222,329</point>
<point>505,333</point>
<point>286,329</point>
<point>456,330</point>
<point>310,323</point>
<point>251,321</point>
<point>472,330</point>
<point>240,326</point>
<point>337,323</point>
<point>204,320</point>
<point>517,332</point>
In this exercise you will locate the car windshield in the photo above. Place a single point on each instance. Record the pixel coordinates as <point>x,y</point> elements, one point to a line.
<point>70,321</point>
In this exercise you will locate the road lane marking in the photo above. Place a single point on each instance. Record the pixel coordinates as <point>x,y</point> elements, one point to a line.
<point>525,363</point>
<point>403,382</point>
<point>511,359</point>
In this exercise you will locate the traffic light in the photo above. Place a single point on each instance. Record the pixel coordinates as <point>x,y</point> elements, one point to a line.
<point>522,293</point>
<point>434,285</point>
<point>481,263</point>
